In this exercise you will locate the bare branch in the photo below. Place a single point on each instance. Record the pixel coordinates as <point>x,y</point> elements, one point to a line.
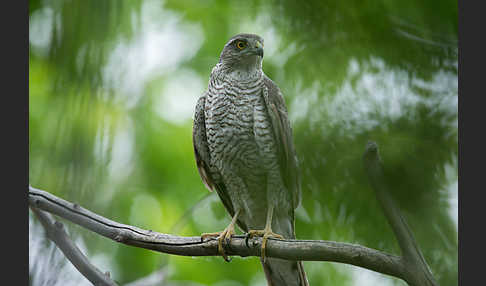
<point>417,270</point>
<point>303,250</point>
<point>55,231</point>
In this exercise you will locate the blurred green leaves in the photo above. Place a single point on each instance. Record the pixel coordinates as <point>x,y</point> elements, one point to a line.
<point>111,84</point>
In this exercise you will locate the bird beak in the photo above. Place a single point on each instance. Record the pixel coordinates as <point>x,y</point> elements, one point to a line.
<point>258,49</point>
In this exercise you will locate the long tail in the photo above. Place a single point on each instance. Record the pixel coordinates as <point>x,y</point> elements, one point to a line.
<point>281,272</point>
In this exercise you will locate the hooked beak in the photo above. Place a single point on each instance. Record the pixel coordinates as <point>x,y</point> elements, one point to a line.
<point>257,50</point>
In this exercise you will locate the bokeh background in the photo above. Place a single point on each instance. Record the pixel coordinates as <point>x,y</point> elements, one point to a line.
<point>113,86</point>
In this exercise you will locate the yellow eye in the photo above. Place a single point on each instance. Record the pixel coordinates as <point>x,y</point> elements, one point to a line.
<point>240,45</point>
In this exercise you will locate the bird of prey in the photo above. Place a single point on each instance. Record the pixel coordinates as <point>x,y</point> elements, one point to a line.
<point>244,151</point>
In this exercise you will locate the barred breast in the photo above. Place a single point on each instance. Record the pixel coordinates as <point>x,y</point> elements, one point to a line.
<point>240,141</point>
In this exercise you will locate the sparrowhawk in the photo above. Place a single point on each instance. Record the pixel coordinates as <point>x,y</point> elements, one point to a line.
<point>244,151</point>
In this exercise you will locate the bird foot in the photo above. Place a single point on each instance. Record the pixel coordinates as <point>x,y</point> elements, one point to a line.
<point>210,235</point>
<point>225,236</point>
<point>265,234</point>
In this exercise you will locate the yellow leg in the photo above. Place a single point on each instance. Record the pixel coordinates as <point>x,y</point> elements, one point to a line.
<point>223,235</point>
<point>266,232</point>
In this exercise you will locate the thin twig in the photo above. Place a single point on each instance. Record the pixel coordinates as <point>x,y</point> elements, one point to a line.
<point>55,232</point>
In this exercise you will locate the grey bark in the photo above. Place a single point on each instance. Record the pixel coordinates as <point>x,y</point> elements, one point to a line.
<point>303,250</point>
<point>411,266</point>
<point>55,232</point>
<point>417,272</point>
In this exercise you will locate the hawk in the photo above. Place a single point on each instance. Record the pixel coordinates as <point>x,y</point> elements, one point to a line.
<point>244,151</point>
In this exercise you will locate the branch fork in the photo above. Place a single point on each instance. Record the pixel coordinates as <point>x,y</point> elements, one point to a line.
<point>411,266</point>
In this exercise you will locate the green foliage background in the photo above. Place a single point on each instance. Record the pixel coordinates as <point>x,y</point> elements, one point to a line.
<point>112,86</point>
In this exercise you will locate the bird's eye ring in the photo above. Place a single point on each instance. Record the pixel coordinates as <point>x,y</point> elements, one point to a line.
<point>240,45</point>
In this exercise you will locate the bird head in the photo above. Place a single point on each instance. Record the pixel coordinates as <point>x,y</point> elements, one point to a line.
<point>243,52</point>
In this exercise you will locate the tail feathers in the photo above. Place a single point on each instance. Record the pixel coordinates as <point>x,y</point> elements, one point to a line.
<point>280,272</point>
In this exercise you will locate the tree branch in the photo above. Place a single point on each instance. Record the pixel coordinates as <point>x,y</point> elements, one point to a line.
<point>304,250</point>
<point>55,232</point>
<point>417,270</point>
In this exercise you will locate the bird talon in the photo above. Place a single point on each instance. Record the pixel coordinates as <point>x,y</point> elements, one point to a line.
<point>211,234</point>
<point>265,234</point>
<point>247,237</point>
<point>221,251</point>
<point>220,247</point>
<point>223,237</point>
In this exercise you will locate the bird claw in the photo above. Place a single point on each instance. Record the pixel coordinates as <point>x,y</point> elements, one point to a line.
<point>265,234</point>
<point>225,236</point>
<point>247,236</point>
<point>210,234</point>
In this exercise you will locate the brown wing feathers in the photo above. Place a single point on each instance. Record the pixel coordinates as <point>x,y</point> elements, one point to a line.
<point>283,134</point>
